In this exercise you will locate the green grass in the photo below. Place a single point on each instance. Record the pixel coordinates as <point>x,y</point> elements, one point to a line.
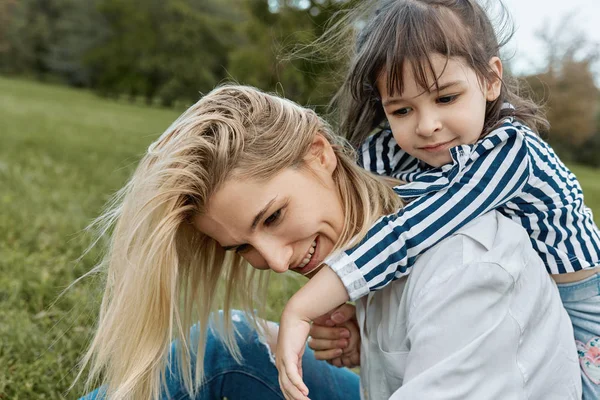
<point>590,181</point>
<point>63,152</point>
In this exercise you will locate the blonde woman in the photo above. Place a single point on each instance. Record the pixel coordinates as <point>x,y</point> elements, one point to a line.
<point>243,182</point>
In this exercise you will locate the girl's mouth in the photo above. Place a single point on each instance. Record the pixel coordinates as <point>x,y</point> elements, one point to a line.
<point>437,147</point>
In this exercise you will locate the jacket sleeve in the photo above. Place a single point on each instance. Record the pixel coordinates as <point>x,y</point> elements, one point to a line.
<point>493,172</point>
<point>381,155</point>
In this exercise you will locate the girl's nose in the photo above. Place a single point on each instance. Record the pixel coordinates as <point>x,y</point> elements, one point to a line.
<point>428,124</point>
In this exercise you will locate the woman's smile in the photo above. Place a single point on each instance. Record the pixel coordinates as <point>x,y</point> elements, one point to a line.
<point>311,259</point>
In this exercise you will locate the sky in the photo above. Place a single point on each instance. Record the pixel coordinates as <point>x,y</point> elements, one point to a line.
<point>530,16</point>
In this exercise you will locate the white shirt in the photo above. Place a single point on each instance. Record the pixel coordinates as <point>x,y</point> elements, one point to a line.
<point>478,318</point>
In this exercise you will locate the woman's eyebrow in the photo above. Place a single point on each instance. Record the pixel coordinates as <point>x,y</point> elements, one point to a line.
<point>255,222</point>
<point>261,214</point>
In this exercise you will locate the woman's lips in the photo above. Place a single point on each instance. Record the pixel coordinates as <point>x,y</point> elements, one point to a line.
<point>313,263</point>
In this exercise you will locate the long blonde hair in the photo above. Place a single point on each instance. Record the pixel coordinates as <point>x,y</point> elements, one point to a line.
<point>162,275</point>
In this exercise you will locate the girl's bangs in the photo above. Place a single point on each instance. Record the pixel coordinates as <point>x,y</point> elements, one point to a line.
<point>411,34</point>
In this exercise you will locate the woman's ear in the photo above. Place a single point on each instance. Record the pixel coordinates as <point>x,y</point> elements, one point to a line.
<point>494,85</point>
<point>321,154</point>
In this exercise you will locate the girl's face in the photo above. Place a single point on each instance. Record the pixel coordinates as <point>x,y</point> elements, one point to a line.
<point>426,123</point>
<point>288,222</point>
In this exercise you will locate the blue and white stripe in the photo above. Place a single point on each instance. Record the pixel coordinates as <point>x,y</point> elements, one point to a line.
<point>512,170</point>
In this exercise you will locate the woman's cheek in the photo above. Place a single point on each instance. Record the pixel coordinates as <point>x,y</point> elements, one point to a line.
<point>255,260</point>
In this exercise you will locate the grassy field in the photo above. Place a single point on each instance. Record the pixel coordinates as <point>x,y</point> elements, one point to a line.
<point>62,154</point>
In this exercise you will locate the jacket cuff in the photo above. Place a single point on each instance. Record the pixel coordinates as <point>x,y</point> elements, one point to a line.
<point>350,275</point>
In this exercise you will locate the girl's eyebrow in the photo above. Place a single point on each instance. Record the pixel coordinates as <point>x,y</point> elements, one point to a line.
<point>445,86</point>
<point>393,100</point>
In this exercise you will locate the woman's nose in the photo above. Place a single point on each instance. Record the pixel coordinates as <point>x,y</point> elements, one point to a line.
<point>277,256</point>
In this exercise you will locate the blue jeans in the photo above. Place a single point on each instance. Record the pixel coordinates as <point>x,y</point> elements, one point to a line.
<point>256,376</point>
<point>582,302</point>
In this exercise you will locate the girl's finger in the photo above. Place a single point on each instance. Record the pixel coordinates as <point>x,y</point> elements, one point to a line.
<point>289,389</point>
<point>294,375</point>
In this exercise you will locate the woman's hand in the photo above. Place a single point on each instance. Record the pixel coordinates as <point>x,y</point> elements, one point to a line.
<point>335,337</point>
<point>291,342</point>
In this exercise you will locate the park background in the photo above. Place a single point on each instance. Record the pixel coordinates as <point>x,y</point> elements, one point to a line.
<point>87,85</point>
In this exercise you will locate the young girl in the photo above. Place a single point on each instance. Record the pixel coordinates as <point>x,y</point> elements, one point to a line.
<point>431,67</point>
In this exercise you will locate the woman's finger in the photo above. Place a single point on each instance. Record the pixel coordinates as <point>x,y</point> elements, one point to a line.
<point>326,332</point>
<point>340,315</point>
<point>343,313</point>
<point>324,344</point>
<point>337,362</point>
<point>327,354</point>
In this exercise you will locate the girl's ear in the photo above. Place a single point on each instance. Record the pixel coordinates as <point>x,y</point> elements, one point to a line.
<point>495,84</point>
<point>321,154</point>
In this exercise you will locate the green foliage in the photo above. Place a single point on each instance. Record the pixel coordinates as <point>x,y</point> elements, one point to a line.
<point>168,50</point>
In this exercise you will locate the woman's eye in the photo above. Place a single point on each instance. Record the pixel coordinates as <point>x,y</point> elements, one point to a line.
<point>273,218</point>
<point>401,111</point>
<point>447,99</point>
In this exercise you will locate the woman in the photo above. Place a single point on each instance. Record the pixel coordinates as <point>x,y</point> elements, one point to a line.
<point>242,178</point>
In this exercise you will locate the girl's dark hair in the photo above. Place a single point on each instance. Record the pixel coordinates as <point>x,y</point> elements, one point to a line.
<point>410,31</point>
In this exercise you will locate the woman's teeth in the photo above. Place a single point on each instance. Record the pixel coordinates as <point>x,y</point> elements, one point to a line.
<point>308,255</point>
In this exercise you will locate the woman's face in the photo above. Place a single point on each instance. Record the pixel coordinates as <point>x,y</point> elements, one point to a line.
<point>288,222</point>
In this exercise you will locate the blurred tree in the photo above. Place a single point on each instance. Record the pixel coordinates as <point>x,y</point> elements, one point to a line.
<point>193,47</point>
<point>6,16</point>
<point>79,28</point>
<point>274,29</point>
<point>168,49</point>
<point>568,89</point>
<point>26,36</point>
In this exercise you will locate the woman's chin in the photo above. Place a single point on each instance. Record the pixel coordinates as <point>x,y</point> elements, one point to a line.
<point>314,271</point>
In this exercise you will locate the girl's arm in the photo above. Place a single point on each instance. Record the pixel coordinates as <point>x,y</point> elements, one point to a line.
<point>321,294</point>
<point>483,177</point>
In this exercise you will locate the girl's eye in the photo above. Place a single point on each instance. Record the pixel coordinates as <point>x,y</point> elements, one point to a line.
<point>447,99</point>
<point>273,218</point>
<point>402,111</point>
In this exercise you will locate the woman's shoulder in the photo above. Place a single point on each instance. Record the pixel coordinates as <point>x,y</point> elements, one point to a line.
<point>491,241</point>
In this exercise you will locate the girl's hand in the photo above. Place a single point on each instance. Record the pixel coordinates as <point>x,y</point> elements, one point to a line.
<point>335,337</point>
<point>293,332</point>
